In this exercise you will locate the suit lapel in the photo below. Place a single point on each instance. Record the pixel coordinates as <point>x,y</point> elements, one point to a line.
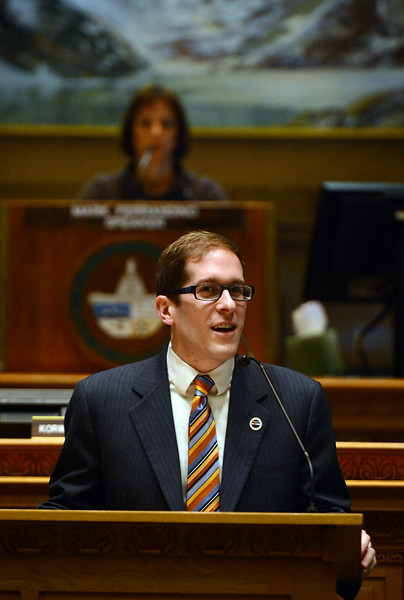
<point>242,441</point>
<point>152,416</point>
<point>151,398</point>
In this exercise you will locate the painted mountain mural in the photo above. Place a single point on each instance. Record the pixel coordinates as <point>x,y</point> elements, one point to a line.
<point>256,63</point>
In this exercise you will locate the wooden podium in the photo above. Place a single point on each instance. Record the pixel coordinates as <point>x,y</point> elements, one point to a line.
<point>80,278</point>
<point>168,555</point>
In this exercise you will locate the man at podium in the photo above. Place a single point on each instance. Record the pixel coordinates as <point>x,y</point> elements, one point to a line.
<point>196,427</point>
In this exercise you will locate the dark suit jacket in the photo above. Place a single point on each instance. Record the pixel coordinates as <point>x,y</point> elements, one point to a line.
<point>120,450</point>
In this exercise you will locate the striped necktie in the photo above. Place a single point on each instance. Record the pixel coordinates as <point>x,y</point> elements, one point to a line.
<point>203,461</point>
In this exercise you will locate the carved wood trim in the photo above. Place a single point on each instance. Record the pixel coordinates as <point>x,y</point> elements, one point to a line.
<point>358,460</point>
<point>371,461</point>
<point>387,532</point>
<point>89,538</point>
<point>29,457</point>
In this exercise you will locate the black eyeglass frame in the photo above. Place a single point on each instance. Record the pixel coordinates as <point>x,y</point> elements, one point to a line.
<point>191,289</point>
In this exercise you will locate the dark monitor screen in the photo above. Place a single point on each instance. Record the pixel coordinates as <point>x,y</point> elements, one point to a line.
<point>353,255</point>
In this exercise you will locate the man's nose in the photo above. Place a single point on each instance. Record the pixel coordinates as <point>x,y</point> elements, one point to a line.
<point>226,301</point>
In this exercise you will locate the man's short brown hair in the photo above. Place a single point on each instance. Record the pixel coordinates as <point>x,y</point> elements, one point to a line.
<point>171,271</point>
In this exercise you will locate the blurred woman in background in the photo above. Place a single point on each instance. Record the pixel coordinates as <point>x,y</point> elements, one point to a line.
<point>155,137</point>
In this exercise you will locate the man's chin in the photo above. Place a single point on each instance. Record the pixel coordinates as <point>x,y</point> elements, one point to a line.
<point>227,350</point>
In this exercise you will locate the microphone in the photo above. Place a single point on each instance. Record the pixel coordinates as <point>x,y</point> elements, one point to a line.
<point>245,360</point>
<point>144,160</point>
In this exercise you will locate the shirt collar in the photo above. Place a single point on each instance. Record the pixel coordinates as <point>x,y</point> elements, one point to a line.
<point>181,374</point>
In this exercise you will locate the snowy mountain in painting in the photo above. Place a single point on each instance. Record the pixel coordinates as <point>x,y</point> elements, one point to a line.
<point>115,37</point>
<point>232,61</point>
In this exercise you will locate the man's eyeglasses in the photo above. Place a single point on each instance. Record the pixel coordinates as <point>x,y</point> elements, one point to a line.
<point>209,292</point>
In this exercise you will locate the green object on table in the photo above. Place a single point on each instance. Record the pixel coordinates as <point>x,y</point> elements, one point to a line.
<point>315,355</point>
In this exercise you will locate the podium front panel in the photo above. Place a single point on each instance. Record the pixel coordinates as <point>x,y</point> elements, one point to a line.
<point>166,556</point>
<point>79,278</point>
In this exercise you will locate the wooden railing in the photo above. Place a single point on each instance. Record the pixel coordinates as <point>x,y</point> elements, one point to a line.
<point>366,410</point>
<point>365,461</point>
<point>374,473</point>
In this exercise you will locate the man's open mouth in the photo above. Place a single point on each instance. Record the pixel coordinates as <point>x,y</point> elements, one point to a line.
<point>224,328</point>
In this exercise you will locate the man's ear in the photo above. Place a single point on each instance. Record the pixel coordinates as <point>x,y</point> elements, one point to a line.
<point>164,309</point>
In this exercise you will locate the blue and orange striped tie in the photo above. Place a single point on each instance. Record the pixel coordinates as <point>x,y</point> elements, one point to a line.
<point>203,457</point>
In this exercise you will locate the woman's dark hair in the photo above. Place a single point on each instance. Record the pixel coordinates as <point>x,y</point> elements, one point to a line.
<point>146,96</point>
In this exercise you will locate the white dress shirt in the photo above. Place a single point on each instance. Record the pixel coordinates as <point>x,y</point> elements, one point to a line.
<point>181,376</point>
